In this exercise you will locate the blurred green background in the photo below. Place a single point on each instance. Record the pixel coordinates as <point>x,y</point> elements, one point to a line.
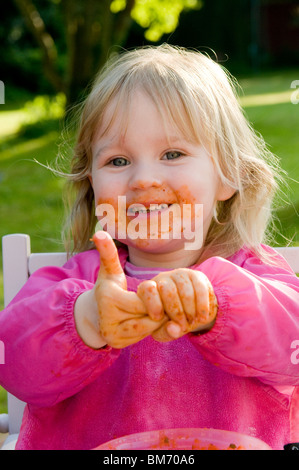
<point>50,50</point>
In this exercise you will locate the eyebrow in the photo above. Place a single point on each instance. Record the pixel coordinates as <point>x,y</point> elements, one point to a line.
<point>172,139</point>
<point>102,148</point>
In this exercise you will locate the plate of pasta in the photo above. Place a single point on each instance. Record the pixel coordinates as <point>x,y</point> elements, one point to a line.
<point>185,439</point>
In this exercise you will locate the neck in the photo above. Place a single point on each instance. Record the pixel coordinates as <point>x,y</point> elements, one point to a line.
<point>172,260</point>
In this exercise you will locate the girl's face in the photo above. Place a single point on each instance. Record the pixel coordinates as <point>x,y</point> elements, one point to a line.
<point>150,164</point>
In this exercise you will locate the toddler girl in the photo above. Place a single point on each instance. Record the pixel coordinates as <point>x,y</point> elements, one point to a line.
<point>160,332</point>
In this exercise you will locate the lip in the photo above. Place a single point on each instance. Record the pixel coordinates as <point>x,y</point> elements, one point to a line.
<point>146,205</point>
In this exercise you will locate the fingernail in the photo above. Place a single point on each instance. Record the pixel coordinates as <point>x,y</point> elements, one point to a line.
<point>100,234</point>
<point>174,330</point>
<point>158,316</point>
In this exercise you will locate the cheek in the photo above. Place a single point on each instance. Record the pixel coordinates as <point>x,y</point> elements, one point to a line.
<point>185,195</point>
<point>103,187</point>
<point>107,207</point>
<point>201,189</point>
<point>199,202</point>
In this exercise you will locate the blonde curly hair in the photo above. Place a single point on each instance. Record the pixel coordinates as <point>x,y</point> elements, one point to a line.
<point>199,97</point>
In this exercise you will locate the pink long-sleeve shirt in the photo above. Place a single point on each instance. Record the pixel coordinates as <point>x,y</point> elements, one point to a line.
<point>241,376</point>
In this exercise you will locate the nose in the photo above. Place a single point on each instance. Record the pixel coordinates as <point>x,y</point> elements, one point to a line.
<point>144,177</point>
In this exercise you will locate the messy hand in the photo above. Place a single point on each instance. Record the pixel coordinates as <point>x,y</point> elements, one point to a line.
<point>123,319</point>
<point>185,296</point>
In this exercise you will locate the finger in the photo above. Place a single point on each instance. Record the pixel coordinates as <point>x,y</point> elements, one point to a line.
<point>173,330</point>
<point>123,300</point>
<point>114,330</point>
<point>186,292</point>
<point>130,332</point>
<point>167,332</point>
<point>110,267</point>
<point>213,303</point>
<point>202,298</point>
<point>138,328</point>
<point>148,292</point>
<point>129,302</point>
<point>171,301</point>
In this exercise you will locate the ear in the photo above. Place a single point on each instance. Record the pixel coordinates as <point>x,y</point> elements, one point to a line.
<point>225,192</point>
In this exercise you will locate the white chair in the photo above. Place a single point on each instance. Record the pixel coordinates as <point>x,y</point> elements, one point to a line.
<point>18,264</point>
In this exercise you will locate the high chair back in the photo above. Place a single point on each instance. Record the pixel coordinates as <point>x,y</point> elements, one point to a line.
<point>18,264</point>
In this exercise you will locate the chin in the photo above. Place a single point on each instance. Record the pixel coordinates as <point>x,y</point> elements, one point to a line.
<point>153,246</point>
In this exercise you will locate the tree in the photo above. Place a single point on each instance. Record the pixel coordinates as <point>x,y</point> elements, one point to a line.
<point>92,28</point>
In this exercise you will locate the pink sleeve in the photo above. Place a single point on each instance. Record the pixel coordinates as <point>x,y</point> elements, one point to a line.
<point>45,359</point>
<point>257,322</point>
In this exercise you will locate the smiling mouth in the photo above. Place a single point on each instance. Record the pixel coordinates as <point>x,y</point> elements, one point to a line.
<point>141,209</point>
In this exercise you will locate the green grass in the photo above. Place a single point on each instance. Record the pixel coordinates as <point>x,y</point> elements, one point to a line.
<point>268,104</point>
<point>31,196</point>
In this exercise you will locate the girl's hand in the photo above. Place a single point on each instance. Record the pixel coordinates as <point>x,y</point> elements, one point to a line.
<point>122,316</point>
<point>185,296</point>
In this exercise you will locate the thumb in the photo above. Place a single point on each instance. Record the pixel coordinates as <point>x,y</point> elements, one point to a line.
<point>110,267</point>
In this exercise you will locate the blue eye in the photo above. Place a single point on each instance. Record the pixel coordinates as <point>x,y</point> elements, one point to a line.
<point>172,155</point>
<point>119,161</point>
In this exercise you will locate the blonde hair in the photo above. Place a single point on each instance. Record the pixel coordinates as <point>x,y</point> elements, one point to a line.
<point>199,97</point>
